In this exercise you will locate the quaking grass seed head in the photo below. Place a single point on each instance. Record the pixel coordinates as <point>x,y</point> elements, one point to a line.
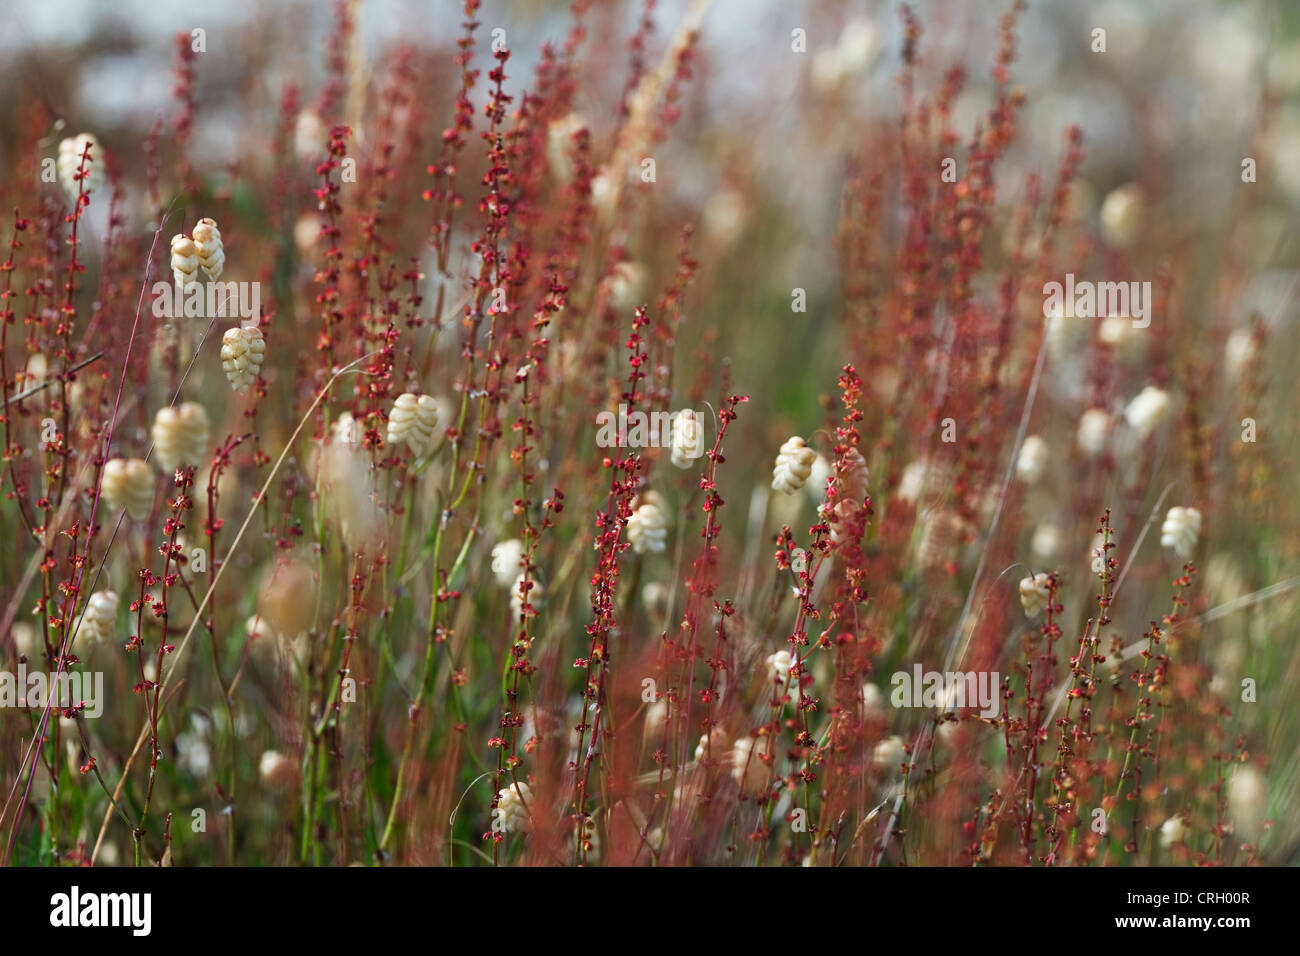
<point>412,421</point>
<point>793,466</point>
<point>71,153</point>
<point>208,247</point>
<point>129,483</point>
<point>180,436</point>
<point>185,260</point>
<point>243,351</point>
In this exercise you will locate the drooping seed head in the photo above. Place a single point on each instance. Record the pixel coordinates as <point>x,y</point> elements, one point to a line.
<point>180,436</point>
<point>688,438</point>
<point>1121,215</point>
<point>71,151</point>
<point>647,526</point>
<point>129,483</point>
<point>1034,594</point>
<point>185,260</point>
<point>514,808</point>
<point>1147,410</point>
<point>889,755</point>
<point>209,248</point>
<point>1094,427</point>
<point>1173,831</point>
<point>242,353</point>
<point>527,590</point>
<point>1181,529</point>
<point>506,556</point>
<point>711,744</point>
<point>1032,461</point>
<point>412,422</point>
<point>778,667</point>
<point>793,466</point>
<point>99,622</point>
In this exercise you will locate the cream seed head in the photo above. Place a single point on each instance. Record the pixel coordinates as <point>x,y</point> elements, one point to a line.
<point>257,629</point>
<point>654,597</point>
<point>603,194</point>
<point>514,803</point>
<point>192,751</point>
<point>345,433</point>
<point>1094,428</point>
<point>197,430</point>
<point>180,436</point>
<point>1032,461</point>
<point>1115,330</point>
<point>242,352</point>
<point>626,285</point>
<point>1239,352</point>
<point>1034,594</point>
<point>746,767</point>
<point>559,144</point>
<point>793,466</point>
<point>309,136</point>
<point>71,151</point>
<point>1119,333</point>
<point>129,483</point>
<point>1180,531</point>
<point>1172,831</point>
<point>348,483</point>
<point>99,621</point>
<point>506,556</point>
<point>412,422</point>
<point>209,248</point>
<point>711,745</point>
<point>272,647</point>
<point>1147,410</point>
<point>912,482</point>
<point>724,216</point>
<point>873,701</point>
<point>833,65</point>
<point>168,438</point>
<point>36,371</point>
<point>1248,802</point>
<point>656,715</point>
<point>889,754</point>
<point>1121,215</point>
<point>286,598</point>
<point>778,667</point>
<point>647,526</point>
<point>1065,333</point>
<point>276,770</point>
<point>533,595</point>
<point>185,260</point>
<point>688,439</point>
<point>1098,557</point>
<point>24,636</point>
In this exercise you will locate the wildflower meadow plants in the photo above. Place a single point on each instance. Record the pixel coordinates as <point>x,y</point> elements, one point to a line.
<point>931,555</point>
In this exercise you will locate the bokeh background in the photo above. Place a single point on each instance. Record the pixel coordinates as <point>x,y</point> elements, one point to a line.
<point>758,162</point>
